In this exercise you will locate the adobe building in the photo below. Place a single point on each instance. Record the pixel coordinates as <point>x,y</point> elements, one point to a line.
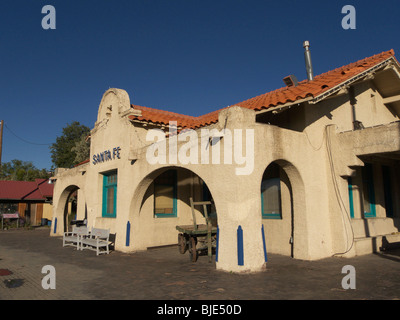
<point>308,171</point>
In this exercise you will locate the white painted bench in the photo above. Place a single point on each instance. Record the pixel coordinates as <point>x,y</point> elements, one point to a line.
<point>96,239</point>
<point>72,238</point>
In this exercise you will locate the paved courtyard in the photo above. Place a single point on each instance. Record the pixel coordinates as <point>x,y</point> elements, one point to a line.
<point>165,274</point>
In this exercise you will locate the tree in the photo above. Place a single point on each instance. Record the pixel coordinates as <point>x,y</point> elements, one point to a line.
<point>19,170</point>
<point>81,149</point>
<point>62,153</point>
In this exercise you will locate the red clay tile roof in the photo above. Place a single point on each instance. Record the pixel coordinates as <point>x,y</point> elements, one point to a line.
<point>313,89</point>
<point>81,163</point>
<point>163,117</point>
<point>26,190</point>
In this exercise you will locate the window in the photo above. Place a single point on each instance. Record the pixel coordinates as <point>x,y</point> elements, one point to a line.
<point>271,193</point>
<point>110,194</point>
<point>368,191</point>
<point>165,195</point>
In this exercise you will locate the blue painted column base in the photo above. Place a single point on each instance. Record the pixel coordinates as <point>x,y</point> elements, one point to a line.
<point>128,234</point>
<point>264,246</point>
<point>240,246</point>
<point>217,245</point>
<point>55,225</point>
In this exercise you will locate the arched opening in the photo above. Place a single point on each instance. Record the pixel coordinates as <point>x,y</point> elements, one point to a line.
<point>73,206</point>
<point>277,210</point>
<point>287,234</point>
<point>162,201</point>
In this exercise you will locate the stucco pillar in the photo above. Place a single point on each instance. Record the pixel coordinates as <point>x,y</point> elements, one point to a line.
<point>236,193</point>
<point>240,241</point>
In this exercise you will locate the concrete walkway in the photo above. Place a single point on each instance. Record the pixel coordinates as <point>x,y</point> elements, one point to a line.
<point>165,274</point>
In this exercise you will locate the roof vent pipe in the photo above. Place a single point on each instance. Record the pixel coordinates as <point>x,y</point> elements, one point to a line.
<point>307,57</point>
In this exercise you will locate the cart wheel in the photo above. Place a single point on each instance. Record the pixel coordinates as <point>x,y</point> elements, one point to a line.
<point>182,243</point>
<point>192,249</point>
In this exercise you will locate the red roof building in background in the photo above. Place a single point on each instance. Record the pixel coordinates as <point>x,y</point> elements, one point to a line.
<point>39,190</point>
<point>31,199</point>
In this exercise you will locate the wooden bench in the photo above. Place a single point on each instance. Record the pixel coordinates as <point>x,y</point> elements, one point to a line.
<point>72,238</point>
<point>96,239</point>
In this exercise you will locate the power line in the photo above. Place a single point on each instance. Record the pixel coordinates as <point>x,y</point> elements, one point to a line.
<point>26,141</point>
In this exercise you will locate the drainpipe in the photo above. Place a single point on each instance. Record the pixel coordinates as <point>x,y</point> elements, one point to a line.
<point>307,57</point>
<point>357,125</point>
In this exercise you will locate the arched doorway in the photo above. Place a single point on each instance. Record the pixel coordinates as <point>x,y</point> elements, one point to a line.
<point>277,210</point>
<point>162,201</point>
<point>72,205</point>
<point>282,203</point>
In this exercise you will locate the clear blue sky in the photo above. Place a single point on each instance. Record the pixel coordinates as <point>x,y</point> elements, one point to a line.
<point>186,56</point>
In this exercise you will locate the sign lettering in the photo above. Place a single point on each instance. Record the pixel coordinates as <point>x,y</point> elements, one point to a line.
<point>107,155</point>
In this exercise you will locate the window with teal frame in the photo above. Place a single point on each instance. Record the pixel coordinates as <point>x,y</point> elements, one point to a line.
<point>271,193</point>
<point>368,191</point>
<point>165,195</point>
<point>110,180</point>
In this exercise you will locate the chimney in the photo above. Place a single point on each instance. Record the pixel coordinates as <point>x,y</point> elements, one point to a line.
<point>307,57</point>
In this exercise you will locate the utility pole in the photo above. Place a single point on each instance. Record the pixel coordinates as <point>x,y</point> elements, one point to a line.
<point>1,137</point>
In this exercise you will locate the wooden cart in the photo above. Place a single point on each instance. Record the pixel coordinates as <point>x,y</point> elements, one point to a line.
<point>197,237</point>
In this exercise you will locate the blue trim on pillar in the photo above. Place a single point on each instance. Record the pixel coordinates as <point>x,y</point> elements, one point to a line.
<point>263,238</point>
<point>216,249</point>
<point>55,225</point>
<point>351,201</point>
<point>240,246</point>
<point>128,233</point>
